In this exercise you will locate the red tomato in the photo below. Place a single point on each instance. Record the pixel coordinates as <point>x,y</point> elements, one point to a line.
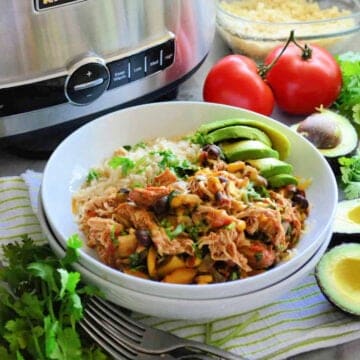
<point>234,80</point>
<point>302,85</point>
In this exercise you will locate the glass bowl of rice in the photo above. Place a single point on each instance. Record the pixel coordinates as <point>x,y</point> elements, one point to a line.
<point>253,28</point>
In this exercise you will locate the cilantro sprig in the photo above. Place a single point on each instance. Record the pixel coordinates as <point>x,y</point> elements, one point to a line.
<point>348,102</point>
<point>350,176</point>
<point>41,302</point>
<point>181,167</point>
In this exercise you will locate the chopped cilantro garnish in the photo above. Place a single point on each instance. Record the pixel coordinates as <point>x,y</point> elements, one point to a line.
<point>176,232</point>
<point>92,175</point>
<point>231,226</point>
<point>251,193</point>
<point>258,256</point>
<point>113,237</point>
<point>137,260</point>
<point>169,160</point>
<point>234,275</point>
<point>125,163</point>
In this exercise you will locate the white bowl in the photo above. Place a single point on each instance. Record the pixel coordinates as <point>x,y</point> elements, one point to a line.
<point>187,309</point>
<point>87,147</point>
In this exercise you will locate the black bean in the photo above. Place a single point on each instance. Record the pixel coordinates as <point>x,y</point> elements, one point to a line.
<point>223,179</point>
<point>213,151</point>
<point>301,201</point>
<point>161,206</point>
<point>144,237</point>
<point>124,191</point>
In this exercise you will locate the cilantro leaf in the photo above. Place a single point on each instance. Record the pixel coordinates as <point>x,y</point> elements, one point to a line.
<point>125,163</point>
<point>173,233</point>
<point>92,175</point>
<point>41,304</point>
<point>348,100</point>
<point>350,176</point>
<point>169,160</point>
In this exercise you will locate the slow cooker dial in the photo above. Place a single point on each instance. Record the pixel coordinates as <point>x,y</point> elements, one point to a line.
<point>87,81</point>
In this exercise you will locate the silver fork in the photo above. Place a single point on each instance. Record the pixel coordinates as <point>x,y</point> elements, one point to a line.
<point>120,350</point>
<point>139,337</point>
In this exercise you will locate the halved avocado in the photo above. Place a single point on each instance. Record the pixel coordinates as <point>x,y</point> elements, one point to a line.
<point>279,141</point>
<point>338,276</point>
<point>247,150</point>
<point>332,134</point>
<point>270,166</point>
<point>281,180</point>
<point>347,221</point>
<point>237,132</point>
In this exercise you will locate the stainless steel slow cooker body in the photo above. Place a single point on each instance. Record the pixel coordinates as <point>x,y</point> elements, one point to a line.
<point>63,60</point>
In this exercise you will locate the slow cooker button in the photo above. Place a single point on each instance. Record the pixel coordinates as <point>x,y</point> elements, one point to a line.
<point>168,54</point>
<point>137,66</point>
<point>153,60</point>
<point>119,73</point>
<point>87,83</point>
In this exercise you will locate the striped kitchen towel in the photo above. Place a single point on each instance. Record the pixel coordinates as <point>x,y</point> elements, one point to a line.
<point>300,321</point>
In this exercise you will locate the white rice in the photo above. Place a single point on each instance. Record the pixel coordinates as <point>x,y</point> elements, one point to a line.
<point>146,167</point>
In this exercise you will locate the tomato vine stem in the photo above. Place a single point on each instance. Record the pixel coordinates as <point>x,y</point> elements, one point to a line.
<point>306,53</point>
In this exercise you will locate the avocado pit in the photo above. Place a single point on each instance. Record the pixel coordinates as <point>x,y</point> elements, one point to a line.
<point>331,133</point>
<point>321,130</point>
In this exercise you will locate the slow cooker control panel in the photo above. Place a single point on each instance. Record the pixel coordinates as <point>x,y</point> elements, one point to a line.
<point>87,80</point>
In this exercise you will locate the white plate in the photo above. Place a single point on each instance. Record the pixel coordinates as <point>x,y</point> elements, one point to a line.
<point>87,147</point>
<point>190,309</point>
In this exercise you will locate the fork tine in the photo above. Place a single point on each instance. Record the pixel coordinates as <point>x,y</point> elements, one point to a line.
<point>116,321</point>
<point>117,351</point>
<point>112,327</point>
<point>137,327</point>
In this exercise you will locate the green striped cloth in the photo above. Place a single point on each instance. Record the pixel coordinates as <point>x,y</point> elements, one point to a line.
<point>300,321</point>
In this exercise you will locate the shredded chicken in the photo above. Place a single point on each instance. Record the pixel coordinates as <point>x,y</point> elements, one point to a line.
<point>215,216</point>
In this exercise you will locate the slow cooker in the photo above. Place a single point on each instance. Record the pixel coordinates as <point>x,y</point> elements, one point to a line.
<point>64,62</point>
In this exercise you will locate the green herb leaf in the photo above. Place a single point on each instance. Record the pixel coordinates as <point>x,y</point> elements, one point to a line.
<point>173,233</point>
<point>349,98</point>
<point>92,175</point>
<point>73,244</point>
<point>42,303</point>
<point>350,176</point>
<point>169,160</point>
<point>125,163</point>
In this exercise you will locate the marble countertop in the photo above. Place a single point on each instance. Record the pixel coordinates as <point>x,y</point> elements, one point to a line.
<point>12,164</point>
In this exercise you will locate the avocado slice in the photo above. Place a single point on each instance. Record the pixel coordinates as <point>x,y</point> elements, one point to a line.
<point>269,167</point>
<point>280,180</point>
<point>237,132</point>
<point>332,134</point>
<point>338,276</point>
<point>246,150</point>
<point>279,141</point>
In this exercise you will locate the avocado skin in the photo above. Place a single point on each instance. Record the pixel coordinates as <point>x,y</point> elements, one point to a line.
<point>280,180</point>
<point>269,167</point>
<point>247,150</point>
<point>340,238</point>
<point>324,276</point>
<point>237,132</point>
